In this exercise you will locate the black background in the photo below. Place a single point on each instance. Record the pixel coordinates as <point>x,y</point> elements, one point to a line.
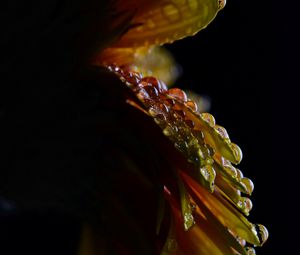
<point>228,61</point>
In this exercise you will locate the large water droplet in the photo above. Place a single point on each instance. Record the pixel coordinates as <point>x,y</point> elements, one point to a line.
<point>245,204</point>
<point>222,131</point>
<point>208,118</point>
<point>177,94</point>
<point>192,105</point>
<point>239,174</point>
<point>152,91</point>
<point>231,171</point>
<point>160,86</point>
<point>262,232</point>
<point>143,95</point>
<point>208,173</point>
<point>248,184</point>
<point>237,152</point>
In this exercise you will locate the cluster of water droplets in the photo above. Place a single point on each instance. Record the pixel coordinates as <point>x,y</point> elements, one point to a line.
<point>205,144</point>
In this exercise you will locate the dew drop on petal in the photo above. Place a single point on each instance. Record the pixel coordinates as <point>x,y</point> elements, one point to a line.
<point>152,91</point>
<point>192,105</point>
<point>164,108</point>
<point>153,111</point>
<point>239,175</point>
<point>208,173</point>
<point>263,233</point>
<point>245,204</point>
<point>237,152</point>
<point>222,131</point>
<point>231,171</point>
<point>208,118</point>
<point>177,94</point>
<point>160,86</point>
<point>143,95</point>
<point>170,101</point>
<point>168,131</point>
<point>248,184</point>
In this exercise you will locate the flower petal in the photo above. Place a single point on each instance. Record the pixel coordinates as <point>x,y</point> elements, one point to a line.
<point>224,211</point>
<point>169,20</point>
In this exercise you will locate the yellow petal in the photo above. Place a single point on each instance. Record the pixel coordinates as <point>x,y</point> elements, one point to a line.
<point>169,20</point>
<point>224,211</point>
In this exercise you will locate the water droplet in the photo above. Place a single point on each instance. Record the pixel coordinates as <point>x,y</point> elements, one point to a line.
<point>262,232</point>
<point>143,95</point>
<point>153,111</point>
<point>152,91</point>
<point>231,170</point>
<point>192,105</point>
<point>250,251</point>
<point>159,85</point>
<point>188,220</point>
<point>208,173</point>
<point>208,118</point>
<point>170,101</point>
<point>168,131</point>
<point>237,152</point>
<point>171,12</point>
<point>177,94</point>
<point>245,204</point>
<point>164,108</point>
<point>239,174</point>
<point>222,131</point>
<point>132,78</point>
<point>248,184</point>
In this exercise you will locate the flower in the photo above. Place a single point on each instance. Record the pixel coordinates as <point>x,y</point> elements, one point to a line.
<point>207,196</point>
